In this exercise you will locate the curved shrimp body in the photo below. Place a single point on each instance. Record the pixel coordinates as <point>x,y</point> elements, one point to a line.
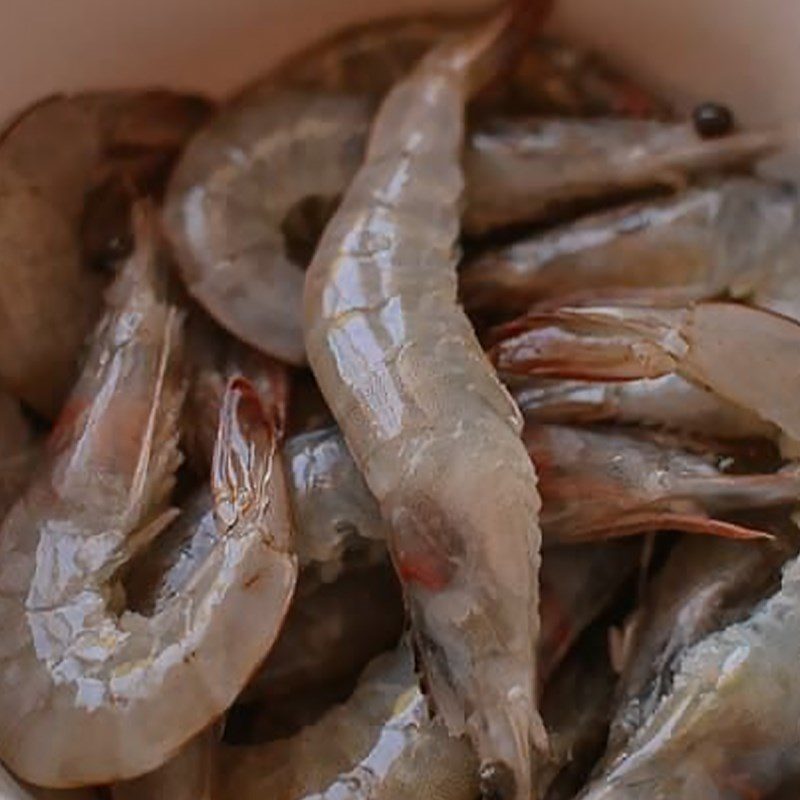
<point>532,170</point>
<point>728,726</point>
<point>73,661</point>
<point>669,402</point>
<point>59,160</point>
<point>430,426</point>
<point>702,239</point>
<point>604,483</point>
<point>380,744</point>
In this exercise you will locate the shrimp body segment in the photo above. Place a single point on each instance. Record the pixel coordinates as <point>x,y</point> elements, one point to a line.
<point>429,424</point>
<point>135,687</point>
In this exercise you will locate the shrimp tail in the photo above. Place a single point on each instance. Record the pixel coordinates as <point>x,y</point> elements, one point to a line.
<point>245,457</point>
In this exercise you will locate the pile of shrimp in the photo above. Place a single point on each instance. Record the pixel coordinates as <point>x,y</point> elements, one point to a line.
<point>419,422</point>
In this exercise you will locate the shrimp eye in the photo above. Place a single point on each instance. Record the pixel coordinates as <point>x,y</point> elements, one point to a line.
<point>712,120</point>
<point>496,781</point>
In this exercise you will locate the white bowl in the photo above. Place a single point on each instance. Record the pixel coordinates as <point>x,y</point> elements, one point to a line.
<point>742,52</point>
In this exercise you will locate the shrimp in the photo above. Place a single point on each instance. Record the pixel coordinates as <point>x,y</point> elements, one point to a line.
<point>59,161</point>
<point>733,350</point>
<point>704,585</point>
<point>606,483</point>
<point>380,744</point>
<point>431,428</point>
<point>534,170</point>
<point>698,239</point>
<point>670,402</point>
<point>187,776</point>
<point>73,659</point>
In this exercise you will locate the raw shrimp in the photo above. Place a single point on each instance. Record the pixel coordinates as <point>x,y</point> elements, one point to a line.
<point>606,483</point>
<point>59,160</point>
<point>705,585</point>
<point>736,351</point>
<point>187,776</point>
<point>281,153</point>
<point>380,744</point>
<point>534,170</point>
<point>700,239</point>
<point>430,426</point>
<point>73,660</point>
<point>669,402</point>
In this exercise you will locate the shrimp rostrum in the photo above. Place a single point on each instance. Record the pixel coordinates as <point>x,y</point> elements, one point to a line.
<point>90,692</point>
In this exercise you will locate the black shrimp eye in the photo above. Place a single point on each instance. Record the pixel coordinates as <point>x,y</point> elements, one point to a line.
<point>497,781</point>
<point>712,120</point>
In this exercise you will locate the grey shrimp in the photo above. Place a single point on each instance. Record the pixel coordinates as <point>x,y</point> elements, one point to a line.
<point>73,660</point>
<point>430,426</point>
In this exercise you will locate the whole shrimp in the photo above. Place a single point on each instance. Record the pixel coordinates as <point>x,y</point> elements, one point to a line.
<point>430,426</point>
<point>380,744</point>
<point>700,241</point>
<point>60,161</point>
<point>74,659</point>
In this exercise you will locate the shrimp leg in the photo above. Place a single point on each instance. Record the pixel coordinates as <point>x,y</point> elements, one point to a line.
<point>73,661</point>
<point>430,426</point>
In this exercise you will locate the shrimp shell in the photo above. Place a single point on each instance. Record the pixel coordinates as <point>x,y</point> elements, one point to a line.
<point>72,662</point>
<point>52,157</point>
<point>431,428</point>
